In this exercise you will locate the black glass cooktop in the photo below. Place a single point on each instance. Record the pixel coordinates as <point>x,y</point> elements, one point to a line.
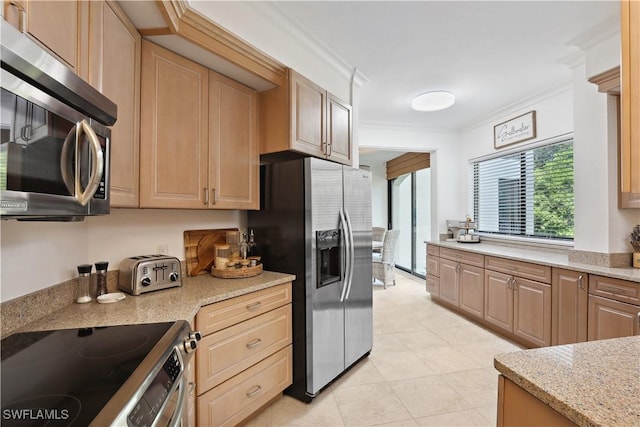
<point>65,377</point>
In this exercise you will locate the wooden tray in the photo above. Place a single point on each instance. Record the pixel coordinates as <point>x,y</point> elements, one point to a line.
<point>236,273</point>
<point>191,240</point>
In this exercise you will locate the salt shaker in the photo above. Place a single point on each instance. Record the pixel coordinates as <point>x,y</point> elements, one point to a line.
<point>101,278</point>
<point>84,283</point>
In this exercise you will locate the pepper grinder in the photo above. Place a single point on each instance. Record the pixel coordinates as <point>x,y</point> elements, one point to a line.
<point>101,278</point>
<point>84,283</point>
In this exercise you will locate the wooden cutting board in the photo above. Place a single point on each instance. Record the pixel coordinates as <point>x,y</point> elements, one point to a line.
<point>199,248</point>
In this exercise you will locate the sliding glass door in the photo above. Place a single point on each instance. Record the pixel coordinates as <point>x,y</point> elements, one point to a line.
<point>410,212</point>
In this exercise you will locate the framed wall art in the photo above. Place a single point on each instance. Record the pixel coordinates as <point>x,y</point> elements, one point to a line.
<point>518,129</point>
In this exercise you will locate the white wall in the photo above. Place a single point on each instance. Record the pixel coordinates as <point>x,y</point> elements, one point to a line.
<point>36,255</point>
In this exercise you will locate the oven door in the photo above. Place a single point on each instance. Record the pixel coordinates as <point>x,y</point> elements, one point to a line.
<point>54,161</point>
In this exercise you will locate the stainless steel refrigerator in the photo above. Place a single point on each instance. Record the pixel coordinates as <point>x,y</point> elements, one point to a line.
<point>315,222</point>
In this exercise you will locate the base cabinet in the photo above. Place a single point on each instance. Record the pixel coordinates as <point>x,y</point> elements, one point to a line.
<point>245,357</point>
<point>517,407</point>
<point>569,303</point>
<point>612,319</point>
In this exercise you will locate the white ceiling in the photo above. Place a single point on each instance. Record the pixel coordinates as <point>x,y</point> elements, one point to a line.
<point>490,54</point>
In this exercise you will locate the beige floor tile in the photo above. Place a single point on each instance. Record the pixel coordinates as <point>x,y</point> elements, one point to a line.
<point>466,418</point>
<point>479,387</point>
<point>404,423</point>
<point>388,343</point>
<point>490,413</point>
<point>399,366</point>
<point>428,396</point>
<point>322,411</point>
<point>371,404</point>
<point>365,372</point>
<point>263,419</point>
<point>421,340</point>
<point>444,360</point>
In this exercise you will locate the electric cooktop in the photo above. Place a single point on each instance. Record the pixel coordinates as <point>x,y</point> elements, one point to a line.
<point>65,377</point>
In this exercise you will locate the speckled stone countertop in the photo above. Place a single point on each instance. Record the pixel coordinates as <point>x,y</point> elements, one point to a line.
<point>161,306</point>
<point>549,258</point>
<point>595,383</point>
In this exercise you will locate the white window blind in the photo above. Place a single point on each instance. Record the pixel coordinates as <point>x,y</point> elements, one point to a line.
<point>527,193</point>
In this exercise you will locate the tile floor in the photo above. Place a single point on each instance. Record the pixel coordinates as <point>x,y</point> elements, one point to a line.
<point>428,367</point>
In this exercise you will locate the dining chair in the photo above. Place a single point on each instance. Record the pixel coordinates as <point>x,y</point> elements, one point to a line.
<point>384,264</point>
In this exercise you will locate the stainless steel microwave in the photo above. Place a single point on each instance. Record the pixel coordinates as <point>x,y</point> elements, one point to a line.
<point>54,137</point>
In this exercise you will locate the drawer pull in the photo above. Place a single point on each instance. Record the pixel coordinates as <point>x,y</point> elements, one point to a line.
<point>254,343</point>
<point>257,389</point>
<point>254,306</point>
<point>580,284</point>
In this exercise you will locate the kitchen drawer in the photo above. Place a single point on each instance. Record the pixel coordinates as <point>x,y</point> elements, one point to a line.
<point>215,317</point>
<point>615,289</point>
<point>433,265</point>
<point>526,270</point>
<point>225,353</point>
<point>433,250</point>
<point>233,401</point>
<point>463,257</point>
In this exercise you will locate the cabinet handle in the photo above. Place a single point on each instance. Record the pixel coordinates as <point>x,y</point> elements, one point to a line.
<point>580,284</point>
<point>515,284</point>
<point>254,306</point>
<point>22,23</point>
<point>639,319</point>
<point>192,386</point>
<point>213,195</point>
<point>254,343</point>
<point>206,196</point>
<point>457,268</point>
<point>254,391</point>
<point>329,150</point>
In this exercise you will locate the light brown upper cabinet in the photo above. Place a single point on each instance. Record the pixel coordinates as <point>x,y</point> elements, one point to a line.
<point>234,162</point>
<point>303,117</point>
<point>630,105</point>
<point>56,25</point>
<point>174,133</point>
<point>198,144</point>
<point>114,69</point>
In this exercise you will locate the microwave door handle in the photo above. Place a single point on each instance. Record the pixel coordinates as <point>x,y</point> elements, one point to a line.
<point>97,165</point>
<point>70,143</point>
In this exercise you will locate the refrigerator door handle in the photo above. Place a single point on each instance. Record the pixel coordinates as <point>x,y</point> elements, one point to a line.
<point>351,253</point>
<point>346,260</point>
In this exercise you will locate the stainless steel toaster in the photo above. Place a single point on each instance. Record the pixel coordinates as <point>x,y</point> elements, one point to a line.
<point>147,273</point>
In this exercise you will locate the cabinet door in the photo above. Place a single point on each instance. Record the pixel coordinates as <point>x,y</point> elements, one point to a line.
<point>612,319</point>
<point>433,285</point>
<point>498,299</point>
<point>234,160</point>
<point>630,105</point>
<point>114,69</point>
<point>449,286</point>
<point>308,116</point>
<point>54,24</point>
<point>472,290</point>
<point>532,311</point>
<point>569,292</point>
<point>174,131</point>
<point>339,131</point>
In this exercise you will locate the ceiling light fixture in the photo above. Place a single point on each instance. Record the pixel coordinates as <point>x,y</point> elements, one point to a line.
<point>433,101</point>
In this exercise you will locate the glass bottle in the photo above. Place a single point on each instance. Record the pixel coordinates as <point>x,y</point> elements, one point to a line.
<point>101,278</point>
<point>84,283</point>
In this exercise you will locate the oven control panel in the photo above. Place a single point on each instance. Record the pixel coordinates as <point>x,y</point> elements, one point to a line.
<point>157,394</point>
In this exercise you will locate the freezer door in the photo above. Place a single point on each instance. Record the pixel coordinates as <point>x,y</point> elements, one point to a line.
<point>325,313</point>
<point>359,301</point>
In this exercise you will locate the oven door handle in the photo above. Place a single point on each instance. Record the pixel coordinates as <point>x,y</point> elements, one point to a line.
<point>97,163</point>
<point>176,419</point>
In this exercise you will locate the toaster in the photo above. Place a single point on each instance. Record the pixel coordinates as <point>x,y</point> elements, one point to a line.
<point>147,273</point>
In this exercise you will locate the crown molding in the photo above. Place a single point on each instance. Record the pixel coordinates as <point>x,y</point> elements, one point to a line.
<point>606,29</point>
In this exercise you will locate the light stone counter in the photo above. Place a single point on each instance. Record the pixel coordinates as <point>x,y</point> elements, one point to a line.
<point>595,383</point>
<point>161,306</point>
<point>538,256</point>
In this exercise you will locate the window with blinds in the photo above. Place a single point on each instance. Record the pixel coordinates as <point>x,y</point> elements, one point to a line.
<point>527,193</point>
